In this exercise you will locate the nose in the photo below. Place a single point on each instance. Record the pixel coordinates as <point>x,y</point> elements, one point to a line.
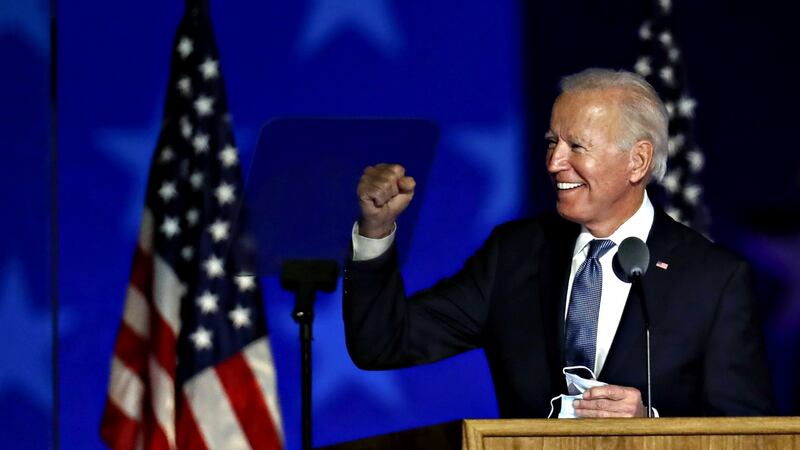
<point>557,158</point>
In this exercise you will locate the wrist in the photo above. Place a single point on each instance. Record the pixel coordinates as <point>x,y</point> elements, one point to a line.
<point>375,231</point>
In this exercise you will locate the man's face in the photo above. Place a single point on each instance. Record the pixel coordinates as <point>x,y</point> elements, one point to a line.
<point>592,176</point>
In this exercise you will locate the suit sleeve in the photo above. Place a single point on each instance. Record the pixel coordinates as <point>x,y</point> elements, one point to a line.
<point>386,329</point>
<point>736,379</point>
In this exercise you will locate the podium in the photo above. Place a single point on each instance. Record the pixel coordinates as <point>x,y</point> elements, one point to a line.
<point>729,433</point>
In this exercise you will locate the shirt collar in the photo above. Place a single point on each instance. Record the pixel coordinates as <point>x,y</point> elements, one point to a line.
<point>638,225</point>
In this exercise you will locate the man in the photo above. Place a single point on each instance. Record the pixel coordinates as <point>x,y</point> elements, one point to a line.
<point>541,294</point>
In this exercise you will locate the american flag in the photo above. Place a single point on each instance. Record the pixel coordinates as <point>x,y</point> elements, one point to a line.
<point>661,63</point>
<point>192,366</point>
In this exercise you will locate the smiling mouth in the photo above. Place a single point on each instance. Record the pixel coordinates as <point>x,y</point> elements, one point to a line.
<point>568,186</point>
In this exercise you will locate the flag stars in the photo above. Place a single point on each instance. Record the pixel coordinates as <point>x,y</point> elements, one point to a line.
<point>674,54</point>
<point>665,5</point>
<point>170,227</point>
<point>245,283</point>
<point>186,127</point>
<point>671,182</point>
<point>167,155</point>
<point>229,156</point>
<point>686,106</point>
<point>696,160</point>
<point>225,193</point>
<point>675,143</point>
<point>202,338</point>
<point>667,75</point>
<point>187,253</point>
<point>670,109</point>
<point>167,191</point>
<point>219,230</point>
<point>196,179</point>
<point>200,143</point>
<point>675,213</point>
<point>691,193</point>
<point>643,66</point>
<point>240,317</point>
<point>185,47</point>
<point>208,302</point>
<point>209,69</point>
<point>204,105</point>
<point>665,38</point>
<point>185,86</point>
<point>193,215</point>
<point>213,267</point>
<point>645,32</point>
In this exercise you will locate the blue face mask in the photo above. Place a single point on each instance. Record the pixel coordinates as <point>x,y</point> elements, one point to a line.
<point>576,386</point>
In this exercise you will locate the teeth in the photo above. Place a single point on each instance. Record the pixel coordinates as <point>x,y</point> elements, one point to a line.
<point>568,185</point>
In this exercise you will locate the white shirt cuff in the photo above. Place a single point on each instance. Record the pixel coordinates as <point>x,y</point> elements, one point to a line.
<point>365,248</point>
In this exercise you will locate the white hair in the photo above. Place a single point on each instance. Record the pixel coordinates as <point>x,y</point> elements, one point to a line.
<point>644,115</point>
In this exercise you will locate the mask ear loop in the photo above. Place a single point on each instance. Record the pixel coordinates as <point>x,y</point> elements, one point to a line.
<point>552,407</point>
<point>565,369</point>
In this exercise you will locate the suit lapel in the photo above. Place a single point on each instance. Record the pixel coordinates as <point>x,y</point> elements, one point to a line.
<point>630,333</point>
<point>556,259</point>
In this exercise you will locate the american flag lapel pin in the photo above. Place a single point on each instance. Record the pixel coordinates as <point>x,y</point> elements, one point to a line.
<point>662,265</point>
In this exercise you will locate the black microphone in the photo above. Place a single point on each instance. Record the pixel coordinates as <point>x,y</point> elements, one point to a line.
<point>631,260</point>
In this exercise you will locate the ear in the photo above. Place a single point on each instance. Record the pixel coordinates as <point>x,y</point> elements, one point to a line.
<point>640,159</point>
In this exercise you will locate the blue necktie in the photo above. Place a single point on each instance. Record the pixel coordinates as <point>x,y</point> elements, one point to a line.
<point>584,307</point>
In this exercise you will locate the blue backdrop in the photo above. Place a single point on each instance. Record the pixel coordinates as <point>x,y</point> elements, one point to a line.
<point>486,71</point>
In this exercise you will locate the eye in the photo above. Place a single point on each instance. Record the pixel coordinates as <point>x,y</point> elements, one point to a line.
<point>551,142</point>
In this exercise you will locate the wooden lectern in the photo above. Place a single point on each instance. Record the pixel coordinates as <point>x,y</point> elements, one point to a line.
<point>730,433</point>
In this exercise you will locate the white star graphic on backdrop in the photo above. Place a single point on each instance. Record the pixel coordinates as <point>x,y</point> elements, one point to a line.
<point>29,19</point>
<point>229,156</point>
<point>665,5</point>
<point>219,230</point>
<point>675,213</point>
<point>185,47</point>
<point>27,335</point>
<point>498,152</point>
<point>673,54</point>
<point>170,227</point>
<point>131,149</point>
<point>202,338</point>
<point>208,302</point>
<point>224,193</point>
<point>209,69</point>
<point>200,143</point>
<point>245,282</point>
<point>167,191</point>
<point>204,105</point>
<point>213,267</point>
<point>240,316</point>
<point>371,18</point>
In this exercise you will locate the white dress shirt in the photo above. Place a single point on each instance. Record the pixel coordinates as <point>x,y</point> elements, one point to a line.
<point>615,291</point>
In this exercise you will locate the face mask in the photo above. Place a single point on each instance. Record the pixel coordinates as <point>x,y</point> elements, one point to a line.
<point>576,385</point>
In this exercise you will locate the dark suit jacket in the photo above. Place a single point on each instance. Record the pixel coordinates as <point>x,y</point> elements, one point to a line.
<point>707,349</point>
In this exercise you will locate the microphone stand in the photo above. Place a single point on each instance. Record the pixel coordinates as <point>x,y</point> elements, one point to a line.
<point>637,285</point>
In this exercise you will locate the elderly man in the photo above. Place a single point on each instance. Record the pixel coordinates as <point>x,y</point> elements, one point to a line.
<point>541,294</point>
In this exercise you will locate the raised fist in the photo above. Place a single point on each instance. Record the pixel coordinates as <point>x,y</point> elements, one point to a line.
<point>383,193</point>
